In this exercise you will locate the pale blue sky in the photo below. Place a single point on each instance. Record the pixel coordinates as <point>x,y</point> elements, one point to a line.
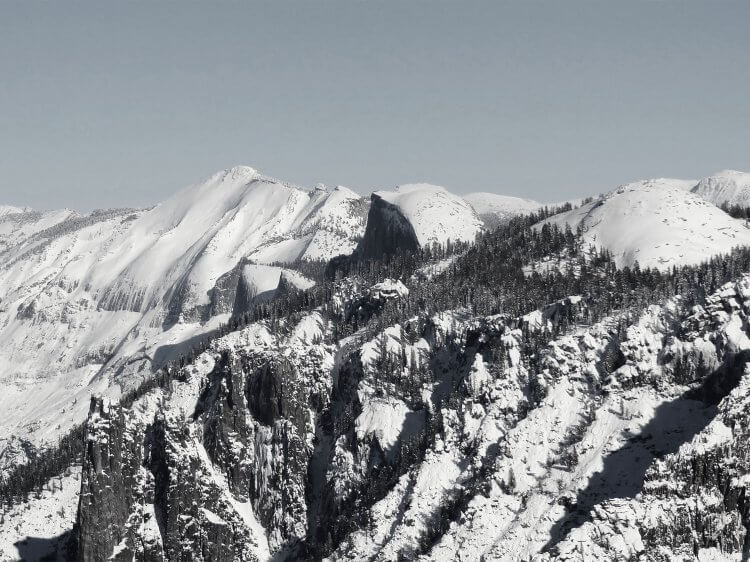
<point>120,104</point>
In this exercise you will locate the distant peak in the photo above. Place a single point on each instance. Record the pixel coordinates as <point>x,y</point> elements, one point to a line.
<point>410,187</point>
<point>655,183</point>
<point>237,172</point>
<point>345,191</point>
<point>499,197</point>
<point>12,210</point>
<point>730,173</point>
<point>233,174</point>
<point>726,177</point>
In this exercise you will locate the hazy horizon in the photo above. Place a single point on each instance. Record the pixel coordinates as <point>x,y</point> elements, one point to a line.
<point>121,105</point>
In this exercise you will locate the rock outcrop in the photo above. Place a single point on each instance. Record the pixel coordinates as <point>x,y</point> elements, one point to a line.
<point>388,232</point>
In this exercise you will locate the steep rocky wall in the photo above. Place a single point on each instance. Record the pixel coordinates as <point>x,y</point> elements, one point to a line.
<point>196,518</point>
<point>108,481</point>
<point>256,432</point>
<point>388,232</point>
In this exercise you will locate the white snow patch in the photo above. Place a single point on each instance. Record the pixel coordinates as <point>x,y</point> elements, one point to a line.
<point>384,419</point>
<point>502,207</point>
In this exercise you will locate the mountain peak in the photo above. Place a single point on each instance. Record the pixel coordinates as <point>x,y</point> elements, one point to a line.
<point>241,171</point>
<point>12,210</point>
<point>435,213</point>
<point>730,173</point>
<point>497,208</point>
<point>728,187</point>
<point>657,223</point>
<point>657,183</point>
<point>414,187</point>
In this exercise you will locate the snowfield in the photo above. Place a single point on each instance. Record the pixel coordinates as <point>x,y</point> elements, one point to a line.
<point>500,207</point>
<point>657,223</point>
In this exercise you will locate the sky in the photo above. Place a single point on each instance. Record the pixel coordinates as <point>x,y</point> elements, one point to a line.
<point>106,104</point>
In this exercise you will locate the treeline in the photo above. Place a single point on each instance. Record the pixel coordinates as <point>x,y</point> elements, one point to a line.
<point>34,475</point>
<point>490,277</point>
<point>736,211</point>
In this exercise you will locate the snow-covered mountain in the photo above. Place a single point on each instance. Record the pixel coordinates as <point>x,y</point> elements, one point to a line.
<point>494,208</point>
<point>94,302</point>
<point>456,404</point>
<point>9,210</point>
<point>657,223</point>
<point>439,437</point>
<point>435,214</point>
<point>415,216</point>
<point>729,187</point>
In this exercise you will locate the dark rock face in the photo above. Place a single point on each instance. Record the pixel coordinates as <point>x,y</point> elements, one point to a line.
<point>254,422</point>
<point>226,425</point>
<point>224,293</point>
<point>265,393</point>
<point>230,293</point>
<point>388,232</point>
<point>195,519</point>
<point>273,392</point>
<point>169,488</point>
<point>129,467</point>
<point>108,481</point>
<point>284,287</point>
<point>233,292</point>
<point>245,294</point>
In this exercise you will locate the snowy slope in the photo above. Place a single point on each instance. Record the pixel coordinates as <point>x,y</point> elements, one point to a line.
<point>18,227</point>
<point>656,223</point>
<point>729,187</point>
<point>436,214</point>
<point>500,207</point>
<point>329,225</point>
<point>430,438</point>
<point>39,528</point>
<point>187,242</point>
<point>10,210</point>
<point>93,302</point>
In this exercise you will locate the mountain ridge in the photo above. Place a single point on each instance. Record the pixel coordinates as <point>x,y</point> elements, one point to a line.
<point>457,397</point>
